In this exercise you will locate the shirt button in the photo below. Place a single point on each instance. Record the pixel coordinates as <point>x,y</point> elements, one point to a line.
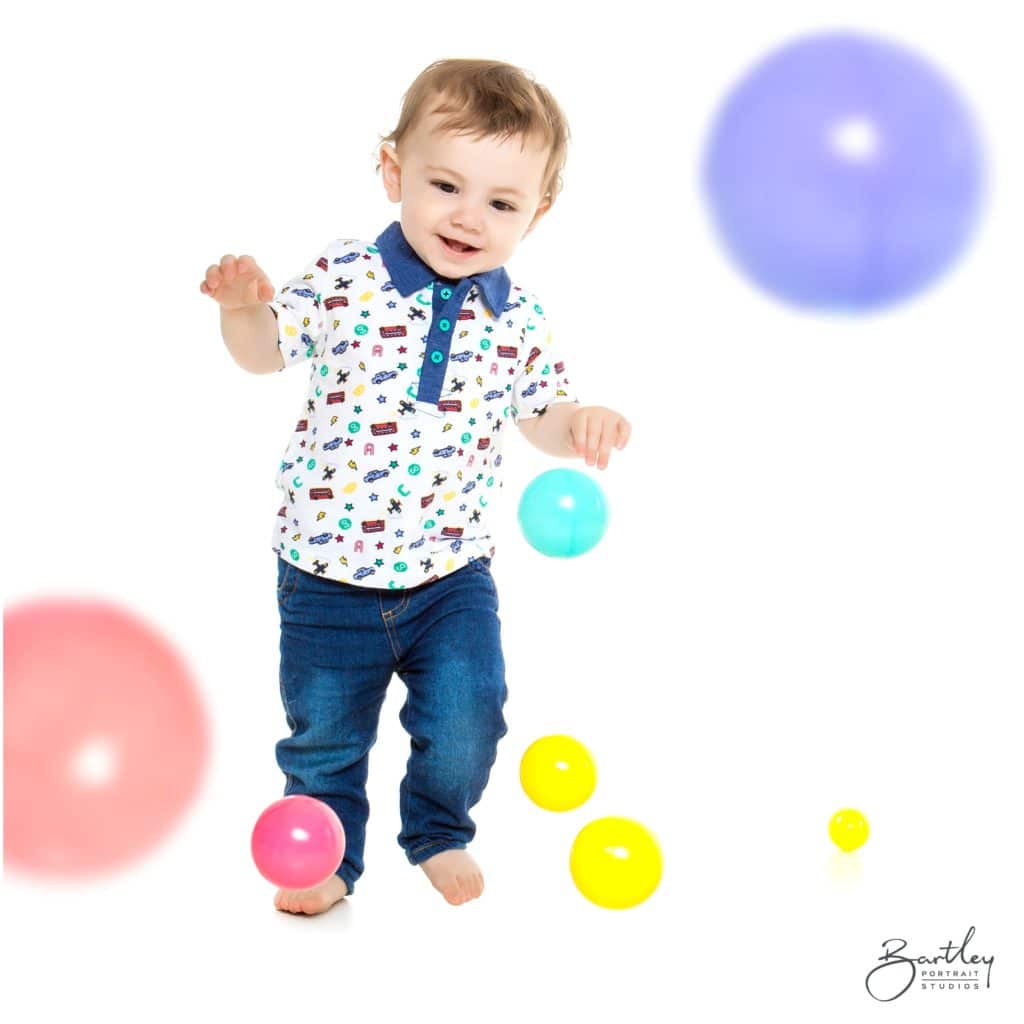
<point>445,325</point>
<point>437,357</point>
<point>446,293</point>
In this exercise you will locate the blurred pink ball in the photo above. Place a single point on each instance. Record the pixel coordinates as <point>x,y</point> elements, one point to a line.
<point>298,842</point>
<point>105,737</point>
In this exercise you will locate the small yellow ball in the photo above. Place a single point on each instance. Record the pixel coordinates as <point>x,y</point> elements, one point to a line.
<point>848,829</point>
<point>558,773</point>
<point>615,863</point>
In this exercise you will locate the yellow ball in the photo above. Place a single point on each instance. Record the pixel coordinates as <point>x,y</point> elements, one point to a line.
<point>848,829</point>
<point>615,863</point>
<point>558,773</point>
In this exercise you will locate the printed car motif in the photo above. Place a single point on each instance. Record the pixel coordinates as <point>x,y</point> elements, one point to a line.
<point>320,538</point>
<point>361,574</point>
<point>376,474</point>
<point>444,453</point>
<point>336,442</point>
<point>461,357</point>
<point>379,378</point>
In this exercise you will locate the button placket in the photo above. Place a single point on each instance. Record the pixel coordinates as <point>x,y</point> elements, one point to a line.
<point>446,306</point>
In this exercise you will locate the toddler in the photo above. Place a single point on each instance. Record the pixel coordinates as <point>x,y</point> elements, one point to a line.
<point>422,353</point>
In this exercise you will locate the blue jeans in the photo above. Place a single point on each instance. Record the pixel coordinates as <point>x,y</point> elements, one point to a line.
<point>340,645</point>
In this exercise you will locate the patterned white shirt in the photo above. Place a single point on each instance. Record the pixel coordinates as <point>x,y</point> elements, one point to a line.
<point>389,475</point>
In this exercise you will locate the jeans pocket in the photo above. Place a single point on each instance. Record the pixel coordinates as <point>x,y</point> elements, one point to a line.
<point>286,579</point>
<point>481,564</point>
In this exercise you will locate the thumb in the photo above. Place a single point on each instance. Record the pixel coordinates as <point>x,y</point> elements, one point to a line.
<point>265,290</point>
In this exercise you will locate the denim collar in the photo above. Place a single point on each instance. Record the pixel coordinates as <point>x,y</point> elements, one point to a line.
<point>409,273</point>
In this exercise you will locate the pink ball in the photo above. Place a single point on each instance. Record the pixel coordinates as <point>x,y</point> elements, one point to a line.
<point>298,842</point>
<point>106,737</point>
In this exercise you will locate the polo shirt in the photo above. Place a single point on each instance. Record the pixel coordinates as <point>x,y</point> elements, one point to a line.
<point>389,477</point>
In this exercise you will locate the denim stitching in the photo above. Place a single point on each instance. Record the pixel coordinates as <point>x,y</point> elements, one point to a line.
<point>386,618</point>
<point>283,591</point>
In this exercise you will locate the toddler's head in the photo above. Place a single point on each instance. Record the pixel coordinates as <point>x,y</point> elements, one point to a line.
<point>475,161</point>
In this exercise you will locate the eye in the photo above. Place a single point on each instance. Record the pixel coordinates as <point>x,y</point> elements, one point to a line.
<point>503,206</point>
<point>444,186</point>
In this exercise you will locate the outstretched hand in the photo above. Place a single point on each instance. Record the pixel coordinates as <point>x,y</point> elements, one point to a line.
<point>595,430</point>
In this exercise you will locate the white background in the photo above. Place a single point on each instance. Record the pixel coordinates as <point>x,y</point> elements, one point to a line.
<point>810,595</point>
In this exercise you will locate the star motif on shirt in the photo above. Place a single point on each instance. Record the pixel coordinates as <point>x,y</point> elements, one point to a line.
<point>399,533</point>
<point>348,442</point>
<point>479,476</point>
<point>382,399</point>
<point>357,408</point>
<point>440,511</point>
<point>356,344</point>
<point>380,545</point>
<point>339,538</point>
<point>415,433</point>
<point>479,358</point>
<point>402,350</point>
<point>393,465</point>
<point>401,366</point>
<point>543,383</point>
<point>472,421</point>
<point>378,562</point>
<point>349,506</point>
<point>374,497</point>
<point>462,508</point>
<point>511,370</point>
<point>392,304</point>
<point>365,313</point>
<point>489,328</point>
<point>508,323</point>
<point>302,443</point>
<point>392,447</point>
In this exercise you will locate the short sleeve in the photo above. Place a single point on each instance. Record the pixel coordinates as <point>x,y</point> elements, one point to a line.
<point>299,308</point>
<point>541,378</point>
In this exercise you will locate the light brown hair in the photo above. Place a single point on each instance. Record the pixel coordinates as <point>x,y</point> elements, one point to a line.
<point>488,98</point>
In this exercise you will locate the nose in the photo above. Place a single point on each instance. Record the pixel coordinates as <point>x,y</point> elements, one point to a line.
<point>467,217</point>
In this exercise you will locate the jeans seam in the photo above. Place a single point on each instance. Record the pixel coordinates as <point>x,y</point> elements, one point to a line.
<point>448,844</point>
<point>284,591</point>
<point>386,618</point>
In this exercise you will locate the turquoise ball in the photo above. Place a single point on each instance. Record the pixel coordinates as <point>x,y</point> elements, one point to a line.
<point>563,513</point>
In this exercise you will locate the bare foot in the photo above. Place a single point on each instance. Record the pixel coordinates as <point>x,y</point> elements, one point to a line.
<point>455,875</point>
<point>312,901</point>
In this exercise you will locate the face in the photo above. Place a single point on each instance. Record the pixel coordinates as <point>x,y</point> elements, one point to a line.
<point>457,191</point>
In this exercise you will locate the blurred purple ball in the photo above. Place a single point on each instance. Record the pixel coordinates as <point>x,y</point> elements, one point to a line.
<point>844,173</point>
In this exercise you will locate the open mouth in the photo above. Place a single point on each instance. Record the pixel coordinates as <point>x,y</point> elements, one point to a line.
<point>457,247</point>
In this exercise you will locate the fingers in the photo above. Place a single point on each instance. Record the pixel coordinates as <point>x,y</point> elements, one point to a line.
<point>594,432</point>
<point>231,270</point>
<point>578,432</point>
<point>625,429</point>
<point>604,447</point>
<point>594,427</point>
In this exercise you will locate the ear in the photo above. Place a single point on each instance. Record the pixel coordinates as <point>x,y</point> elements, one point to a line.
<point>391,172</point>
<point>541,210</point>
